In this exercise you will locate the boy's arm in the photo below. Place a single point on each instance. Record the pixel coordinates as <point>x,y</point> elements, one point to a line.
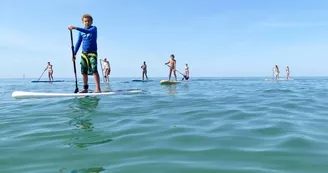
<point>78,44</point>
<point>87,30</point>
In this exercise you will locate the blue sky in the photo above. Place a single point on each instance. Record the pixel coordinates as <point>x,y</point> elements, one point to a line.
<point>217,38</point>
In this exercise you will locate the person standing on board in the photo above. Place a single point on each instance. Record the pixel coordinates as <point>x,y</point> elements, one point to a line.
<point>187,72</point>
<point>144,71</point>
<point>50,71</point>
<point>277,72</point>
<point>287,72</point>
<point>172,65</point>
<point>107,70</point>
<point>273,71</point>
<point>87,35</point>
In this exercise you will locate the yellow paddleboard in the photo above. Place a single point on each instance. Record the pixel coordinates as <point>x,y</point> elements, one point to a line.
<point>167,82</point>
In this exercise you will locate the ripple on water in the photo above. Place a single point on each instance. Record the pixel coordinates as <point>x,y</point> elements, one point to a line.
<point>228,126</point>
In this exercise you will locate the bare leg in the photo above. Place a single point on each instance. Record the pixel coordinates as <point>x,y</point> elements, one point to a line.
<point>85,82</point>
<point>52,78</point>
<point>170,72</point>
<point>97,81</point>
<point>107,75</point>
<point>146,75</point>
<point>143,74</point>
<point>175,75</point>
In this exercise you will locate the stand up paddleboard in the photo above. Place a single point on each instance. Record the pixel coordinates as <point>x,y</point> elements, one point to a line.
<point>139,80</point>
<point>46,81</point>
<point>281,79</point>
<point>93,83</point>
<point>167,82</point>
<point>27,95</point>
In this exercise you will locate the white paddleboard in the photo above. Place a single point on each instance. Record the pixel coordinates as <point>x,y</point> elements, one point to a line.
<point>93,83</point>
<point>281,79</point>
<point>46,81</point>
<point>27,95</point>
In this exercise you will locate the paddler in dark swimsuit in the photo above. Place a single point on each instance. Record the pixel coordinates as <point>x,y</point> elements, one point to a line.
<point>144,70</point>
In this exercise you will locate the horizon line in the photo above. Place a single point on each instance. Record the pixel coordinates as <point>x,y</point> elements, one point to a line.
<point>165,77</point>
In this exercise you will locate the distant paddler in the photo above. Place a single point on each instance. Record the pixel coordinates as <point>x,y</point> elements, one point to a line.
<point>50,71</point>
<point>144,70</point>
<point>277,72</point>
<point>287,72</point>
<point>172,64</point>
<point>186,76</point>
<point>106,69</point>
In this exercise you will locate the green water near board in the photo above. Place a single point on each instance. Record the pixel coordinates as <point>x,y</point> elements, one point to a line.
<point>211,125</point>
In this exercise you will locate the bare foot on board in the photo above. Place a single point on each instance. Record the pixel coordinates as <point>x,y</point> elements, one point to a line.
<point>83,91</point>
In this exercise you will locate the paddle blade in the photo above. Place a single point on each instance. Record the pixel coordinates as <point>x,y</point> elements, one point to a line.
<point>76,90</point>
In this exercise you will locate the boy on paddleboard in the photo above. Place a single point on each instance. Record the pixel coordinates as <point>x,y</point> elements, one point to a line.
<point>87,35</point>
<point>172,65</point>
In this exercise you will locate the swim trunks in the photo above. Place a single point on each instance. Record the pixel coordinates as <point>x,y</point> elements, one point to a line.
<point>88,63</point>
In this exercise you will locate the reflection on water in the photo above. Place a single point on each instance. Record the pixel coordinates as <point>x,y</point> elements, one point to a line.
<point>86,141</point>
<point>82,123</point>
<point>85,106</point>
<point>185,85</point>
<point>85,170</point>
<point>170,88</point>
<point>84,136</point>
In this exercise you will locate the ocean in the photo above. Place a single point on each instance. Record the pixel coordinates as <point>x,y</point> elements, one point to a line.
<point>206,125</point>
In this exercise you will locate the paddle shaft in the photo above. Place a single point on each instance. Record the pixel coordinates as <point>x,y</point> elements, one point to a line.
<point>76,88</point>
<point>41,75</point>
<point>178,71</point>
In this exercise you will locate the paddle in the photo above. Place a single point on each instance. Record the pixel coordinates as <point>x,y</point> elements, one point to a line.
<point>76,88</point>
<point>184,76</point>
<point>41,75</point>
